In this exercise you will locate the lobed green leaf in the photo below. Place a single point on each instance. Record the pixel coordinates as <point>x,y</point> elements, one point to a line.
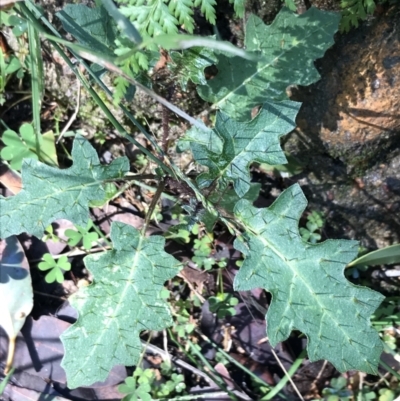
<point>231,146</point>
<point>90,26</point>
<point>288,48</point>
<point>124,299</point>
<point>49,193</point>
<point>309,290</point>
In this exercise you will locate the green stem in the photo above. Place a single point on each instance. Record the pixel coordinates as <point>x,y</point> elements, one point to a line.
<point>236,363</point>
<point>101,235</point>
<point>36,67</point>
<point>126,26</point>
<point>28,14</point>
<point>389,369</point>
<point>285,379</point>
<point>214,376</point>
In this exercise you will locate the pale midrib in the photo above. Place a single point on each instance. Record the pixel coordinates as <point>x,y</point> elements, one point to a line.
<point>295,271</point>
<point>245,149</point>
<point>259,71</point>
<point>61,191</point>
<point>127,287</point>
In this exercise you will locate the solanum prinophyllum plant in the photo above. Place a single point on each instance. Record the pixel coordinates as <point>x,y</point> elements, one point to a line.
<point>309,290</point>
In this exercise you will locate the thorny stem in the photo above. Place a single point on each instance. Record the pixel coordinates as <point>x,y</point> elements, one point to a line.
<point>165,121</point>
<point>287,377</point>
<point>153,204</point>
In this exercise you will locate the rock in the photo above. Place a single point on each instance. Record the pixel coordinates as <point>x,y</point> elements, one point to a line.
<point>348,135</point>
<point>352,113</point>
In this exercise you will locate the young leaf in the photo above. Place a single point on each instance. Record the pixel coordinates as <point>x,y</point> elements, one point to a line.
<point>309,290</point>
<point>226,200</point>
<point>82,234</point>
<point>123,300</point>
<point>49,194</point>
<point>229,149</point>
<point>288,48</point>
<point>55,267</point>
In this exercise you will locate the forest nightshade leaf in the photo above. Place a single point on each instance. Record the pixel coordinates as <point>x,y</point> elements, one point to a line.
<point>123,300</point>
<point>231,146</point>
<point>189,65</point>
<point>50,194</point>
<point>288,48</point>
<point>90,26</point>
<point>309,290</point>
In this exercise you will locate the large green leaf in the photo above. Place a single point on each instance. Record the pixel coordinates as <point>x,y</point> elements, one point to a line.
<point>288,48</point>
<point>49,194</point>
<point>231,146</point>
<point>123,300</point>
<point>309,290</point>
<point>90,26</point>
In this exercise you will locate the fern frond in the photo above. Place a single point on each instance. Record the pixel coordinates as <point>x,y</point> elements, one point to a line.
<point>207,7</point>
<point>238,6</point>
<point>132,66</point>
<point>183,11</point>
<point>155,17</point>
<point>354,11</point>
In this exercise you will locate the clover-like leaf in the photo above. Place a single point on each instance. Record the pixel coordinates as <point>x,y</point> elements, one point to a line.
<point>309,290</point>
<point>56,267</point>
<point>123,300</point>
<point>231,146</point>
<point>18,147</point>
<point>288,48</point>
<point>49,194</point>
<point>83,234</point>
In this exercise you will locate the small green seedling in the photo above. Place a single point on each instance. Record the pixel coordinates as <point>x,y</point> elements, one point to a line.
<point>56,267</point>
<point>49,235</point>
<point>223,305</point>
<point>138,386</point>
<point>183,326</point>
<point>176,384</point>
<point>203,248</point>
<point>100,137</point>
<point>337,391</point>
<point>143,385</point>
<point>83,234</point>
<point>313,227</point>
<point>386,394</point>
<point>18,147</point>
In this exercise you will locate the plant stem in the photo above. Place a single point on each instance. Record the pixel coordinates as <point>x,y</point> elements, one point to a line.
<point>285,379</point>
